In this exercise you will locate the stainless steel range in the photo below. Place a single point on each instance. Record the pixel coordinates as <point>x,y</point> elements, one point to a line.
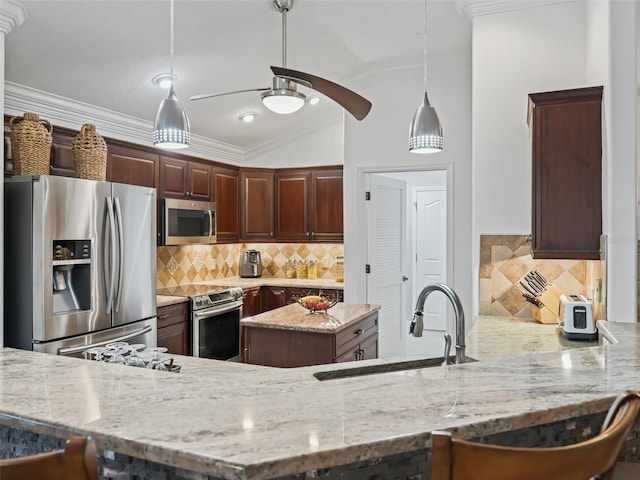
<point>215,319</point>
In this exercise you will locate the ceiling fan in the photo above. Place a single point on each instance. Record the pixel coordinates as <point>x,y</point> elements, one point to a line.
<point>283,97</point>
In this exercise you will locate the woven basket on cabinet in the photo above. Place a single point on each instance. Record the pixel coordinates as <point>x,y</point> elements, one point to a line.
<point>89,152</point>
<point>30,144</point>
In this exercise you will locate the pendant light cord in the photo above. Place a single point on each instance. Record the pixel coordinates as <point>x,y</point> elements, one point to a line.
<point>171,40</point>
<point>424,52</point>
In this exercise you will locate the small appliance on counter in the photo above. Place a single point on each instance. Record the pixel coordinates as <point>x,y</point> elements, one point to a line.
<point>250,264</point>
<point>576,318</point>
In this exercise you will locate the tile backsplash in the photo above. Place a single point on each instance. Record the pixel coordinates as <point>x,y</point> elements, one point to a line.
<point>181,265</point>
<point>505,259</point>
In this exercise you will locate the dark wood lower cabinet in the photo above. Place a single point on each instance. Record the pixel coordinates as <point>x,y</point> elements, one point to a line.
<point>173,328</point>
<point>294,348</point>
<point>272,297</point>
<point>252,302</point>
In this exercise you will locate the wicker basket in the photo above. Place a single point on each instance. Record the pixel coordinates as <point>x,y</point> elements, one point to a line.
<point>89,154</point>
<point>30,144</point>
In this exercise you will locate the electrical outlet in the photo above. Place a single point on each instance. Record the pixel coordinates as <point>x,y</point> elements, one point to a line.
<point>325,262</point>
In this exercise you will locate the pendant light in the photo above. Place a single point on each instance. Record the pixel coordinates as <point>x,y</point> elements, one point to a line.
<point>425,132</point>
<point>171,125</point>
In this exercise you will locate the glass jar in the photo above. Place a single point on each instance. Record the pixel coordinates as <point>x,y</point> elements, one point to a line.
<point>312,269</point>
<point>339,269</point>
<point>301,269</point>
<point>290,269</point>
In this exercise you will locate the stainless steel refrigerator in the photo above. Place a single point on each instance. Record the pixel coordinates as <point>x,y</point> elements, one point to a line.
<point>80,264</point>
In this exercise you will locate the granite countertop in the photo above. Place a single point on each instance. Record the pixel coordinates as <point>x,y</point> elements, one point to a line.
<point>247,283</point>
<point>221,418</point>
<point>296,317</point>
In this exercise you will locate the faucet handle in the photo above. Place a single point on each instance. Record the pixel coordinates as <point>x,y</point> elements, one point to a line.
<point>447,348</point>
<point>417,325</point>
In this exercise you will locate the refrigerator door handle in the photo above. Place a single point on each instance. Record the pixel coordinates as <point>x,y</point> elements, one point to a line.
<point>81,348</point>
<point>118,295</point>
<point>111,261</point>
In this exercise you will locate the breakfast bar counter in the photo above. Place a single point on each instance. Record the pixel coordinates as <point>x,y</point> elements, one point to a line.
<point>237,421</point>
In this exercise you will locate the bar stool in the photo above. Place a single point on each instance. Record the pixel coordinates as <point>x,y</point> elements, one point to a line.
<point>76,462</point>
<point>462,460</point>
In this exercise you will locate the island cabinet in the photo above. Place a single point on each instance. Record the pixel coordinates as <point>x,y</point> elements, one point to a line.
<point>257,205</point>
<point>226,190</point>
<point>303,339</point>
<point>309,205</point>
<point>173,328</point>
<point>566,152</point>
<point>185,179</point>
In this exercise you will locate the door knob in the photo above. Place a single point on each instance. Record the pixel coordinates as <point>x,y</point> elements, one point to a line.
<point>404,279</point>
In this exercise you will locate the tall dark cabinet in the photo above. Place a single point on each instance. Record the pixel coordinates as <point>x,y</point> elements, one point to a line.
<point>566,136</point>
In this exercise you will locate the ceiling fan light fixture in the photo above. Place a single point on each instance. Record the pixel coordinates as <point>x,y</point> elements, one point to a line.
<point>171,128</point>
<point>283,102</point>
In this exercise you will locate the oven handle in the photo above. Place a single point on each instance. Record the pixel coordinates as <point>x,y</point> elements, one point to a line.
<point>72,350</point>
<point>211,312</point>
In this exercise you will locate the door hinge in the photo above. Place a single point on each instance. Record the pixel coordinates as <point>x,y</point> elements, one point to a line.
<point>367,268</point>
<point>367,195</point>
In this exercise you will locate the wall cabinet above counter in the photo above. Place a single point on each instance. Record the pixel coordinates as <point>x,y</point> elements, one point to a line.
<point>252,204</point>
<point>566,157</point>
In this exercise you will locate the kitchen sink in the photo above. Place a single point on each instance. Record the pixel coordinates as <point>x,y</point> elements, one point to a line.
<point>385,368</point>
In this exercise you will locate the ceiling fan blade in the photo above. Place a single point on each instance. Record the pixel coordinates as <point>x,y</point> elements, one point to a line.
<point>353,103</point>
<point>209,95</point>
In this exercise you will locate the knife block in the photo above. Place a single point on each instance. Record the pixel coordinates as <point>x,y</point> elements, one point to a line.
<point>550,298</point>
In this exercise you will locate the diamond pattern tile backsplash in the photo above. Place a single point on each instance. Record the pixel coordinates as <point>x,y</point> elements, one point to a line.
<point>505,259</point>
<point>181,265</point>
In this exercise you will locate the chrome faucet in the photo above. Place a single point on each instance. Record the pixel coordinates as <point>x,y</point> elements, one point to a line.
<point>417,323</point>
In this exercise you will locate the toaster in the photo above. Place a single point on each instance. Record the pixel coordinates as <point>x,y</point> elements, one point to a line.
<point>576,318</point>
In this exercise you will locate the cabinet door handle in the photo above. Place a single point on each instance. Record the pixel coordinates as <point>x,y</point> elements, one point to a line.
<point>313,234</point>
<point>308,235</point>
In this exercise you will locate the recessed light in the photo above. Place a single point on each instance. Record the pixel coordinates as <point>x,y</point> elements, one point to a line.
<point>164,80</point>
<point>248,117</point>
<point>314,100</point>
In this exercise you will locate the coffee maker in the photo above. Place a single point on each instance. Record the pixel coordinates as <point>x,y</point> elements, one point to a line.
<point>250,264</point>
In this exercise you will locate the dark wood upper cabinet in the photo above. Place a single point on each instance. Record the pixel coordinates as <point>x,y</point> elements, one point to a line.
<point>173,178</point>
<point>227,195</point>
<point>566,133</point>
<point>326,205</point>
<point>199,183</point>
<point>132,166</point>
<point>185,179</point>
<point>292,207</point>
<point>257,207</point>
<point>309,205</point>
<point>61,160</point>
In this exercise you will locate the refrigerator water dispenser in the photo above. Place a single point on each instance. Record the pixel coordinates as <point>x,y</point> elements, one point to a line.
<point>71,275</point>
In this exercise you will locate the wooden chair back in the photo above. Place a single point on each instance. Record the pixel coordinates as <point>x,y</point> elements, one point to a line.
<point>76,462</point>
<point>463,460</point>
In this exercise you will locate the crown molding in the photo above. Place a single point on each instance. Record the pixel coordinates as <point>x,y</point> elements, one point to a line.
<point>12,14</point>
<point>72,114</point>
<point>475,8</point>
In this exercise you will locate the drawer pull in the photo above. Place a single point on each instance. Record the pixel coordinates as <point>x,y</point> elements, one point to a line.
<point>164,316</point>
<point>358,332</point>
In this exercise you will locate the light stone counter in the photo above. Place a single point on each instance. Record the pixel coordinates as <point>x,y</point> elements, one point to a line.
<point>239,421</point>
<point>246,283</point>
<point>164,300</point>
<point>296,317</point>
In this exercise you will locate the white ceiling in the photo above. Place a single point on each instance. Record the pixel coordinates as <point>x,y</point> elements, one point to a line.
<point>105,52</point>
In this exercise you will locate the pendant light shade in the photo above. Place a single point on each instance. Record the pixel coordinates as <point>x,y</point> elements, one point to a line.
<point>425,132</point>
<point>171,126</point>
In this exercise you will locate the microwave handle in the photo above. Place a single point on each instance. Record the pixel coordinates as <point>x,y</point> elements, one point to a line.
<point>210,222</point>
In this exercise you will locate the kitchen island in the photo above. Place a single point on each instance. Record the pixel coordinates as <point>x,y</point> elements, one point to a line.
<point>237,421</point>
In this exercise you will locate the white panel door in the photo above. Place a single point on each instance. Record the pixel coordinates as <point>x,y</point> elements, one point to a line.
<point>430,267</point>
<point>386,255</point>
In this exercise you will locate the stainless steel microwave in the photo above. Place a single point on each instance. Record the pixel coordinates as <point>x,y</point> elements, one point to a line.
<point>184,222</point>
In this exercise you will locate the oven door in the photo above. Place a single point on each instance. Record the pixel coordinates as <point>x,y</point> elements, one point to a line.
<point>185,222</point>
<point>216,332</point>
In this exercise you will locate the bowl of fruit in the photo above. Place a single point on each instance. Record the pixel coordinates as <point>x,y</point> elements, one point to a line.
<point>317,303</point>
